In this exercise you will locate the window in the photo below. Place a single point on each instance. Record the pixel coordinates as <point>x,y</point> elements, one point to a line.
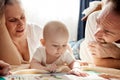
<point>42,11</point>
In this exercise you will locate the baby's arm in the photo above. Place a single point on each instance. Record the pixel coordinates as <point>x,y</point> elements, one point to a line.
<point>83,63</point>
<point>34,64</point>
<point>75,69</point>
<point>37,65</point>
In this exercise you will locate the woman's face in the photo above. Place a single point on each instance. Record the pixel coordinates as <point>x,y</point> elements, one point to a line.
<point>15,20</point>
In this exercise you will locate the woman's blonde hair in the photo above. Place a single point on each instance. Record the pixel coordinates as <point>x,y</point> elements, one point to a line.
<point>2,3</point>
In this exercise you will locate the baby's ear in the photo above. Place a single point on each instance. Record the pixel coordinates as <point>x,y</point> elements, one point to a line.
<point>42,41</point>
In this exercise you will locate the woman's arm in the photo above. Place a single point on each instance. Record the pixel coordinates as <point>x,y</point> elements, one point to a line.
<point>8,51</point>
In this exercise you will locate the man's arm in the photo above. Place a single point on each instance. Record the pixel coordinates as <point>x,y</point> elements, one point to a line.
<point>109,62</point>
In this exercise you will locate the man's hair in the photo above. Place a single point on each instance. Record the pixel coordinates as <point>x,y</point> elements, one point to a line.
<point>116,5</point>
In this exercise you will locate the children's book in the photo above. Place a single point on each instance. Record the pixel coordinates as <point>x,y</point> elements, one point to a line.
<point>95,73</point>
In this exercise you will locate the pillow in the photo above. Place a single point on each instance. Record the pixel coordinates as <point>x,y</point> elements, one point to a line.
<point>75,45</point>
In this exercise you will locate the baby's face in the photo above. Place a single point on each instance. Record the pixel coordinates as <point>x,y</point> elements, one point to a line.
<point>56,45</point>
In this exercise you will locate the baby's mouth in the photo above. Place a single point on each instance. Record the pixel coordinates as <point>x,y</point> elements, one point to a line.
<point>58,54</point>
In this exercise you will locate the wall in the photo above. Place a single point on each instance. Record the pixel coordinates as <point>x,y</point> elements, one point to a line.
<point>42,11</point>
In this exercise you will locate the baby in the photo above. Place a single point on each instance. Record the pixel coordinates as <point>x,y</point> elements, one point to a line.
<point>54,51</point>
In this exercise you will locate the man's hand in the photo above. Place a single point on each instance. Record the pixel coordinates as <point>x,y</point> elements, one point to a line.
<point>104,50</point>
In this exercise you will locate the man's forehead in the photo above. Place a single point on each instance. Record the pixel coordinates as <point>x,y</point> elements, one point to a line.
<point>106,10</point>
<point>109,17</point>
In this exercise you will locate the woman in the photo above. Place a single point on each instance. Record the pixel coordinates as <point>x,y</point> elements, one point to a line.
<point>18,40</point>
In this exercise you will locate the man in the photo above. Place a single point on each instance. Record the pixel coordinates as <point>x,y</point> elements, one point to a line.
<point>102,41</point>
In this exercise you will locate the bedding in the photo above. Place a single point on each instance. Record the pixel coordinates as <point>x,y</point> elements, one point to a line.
<point>95,73</point>
<point>75,45</point>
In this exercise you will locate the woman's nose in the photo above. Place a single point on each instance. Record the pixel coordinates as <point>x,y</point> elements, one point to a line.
<point>20,22</point>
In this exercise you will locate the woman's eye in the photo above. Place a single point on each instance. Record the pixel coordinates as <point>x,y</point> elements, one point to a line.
<point>22,17</point>
<point>13,20</point>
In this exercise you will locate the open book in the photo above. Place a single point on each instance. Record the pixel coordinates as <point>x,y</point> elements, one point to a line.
<point>104,72</point>
<point>95,73</point>
<point>62,69</point>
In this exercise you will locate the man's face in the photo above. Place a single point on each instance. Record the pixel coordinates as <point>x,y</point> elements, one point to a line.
<point>108,26</point>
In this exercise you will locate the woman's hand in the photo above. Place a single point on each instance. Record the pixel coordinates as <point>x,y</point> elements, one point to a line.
<point>4,68</point>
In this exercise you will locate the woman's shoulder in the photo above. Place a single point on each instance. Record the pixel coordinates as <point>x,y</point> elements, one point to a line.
<point>33,26</point>
<point>35,30</point>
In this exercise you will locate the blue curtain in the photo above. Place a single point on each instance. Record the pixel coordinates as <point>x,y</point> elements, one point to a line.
<point>81,24</point>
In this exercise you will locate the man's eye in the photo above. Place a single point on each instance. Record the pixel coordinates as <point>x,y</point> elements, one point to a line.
<point>108,32</point>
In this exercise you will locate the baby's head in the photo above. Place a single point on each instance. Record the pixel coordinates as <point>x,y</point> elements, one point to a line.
<point>55,37</point>
<point>55,30</point>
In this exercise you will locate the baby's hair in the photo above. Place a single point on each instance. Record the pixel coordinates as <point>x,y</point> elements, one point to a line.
<point>55,27</point>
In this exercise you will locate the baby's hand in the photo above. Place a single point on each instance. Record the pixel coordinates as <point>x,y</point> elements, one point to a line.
<point>83,63</point>
<point>78,72</point>
<point>52,67</point>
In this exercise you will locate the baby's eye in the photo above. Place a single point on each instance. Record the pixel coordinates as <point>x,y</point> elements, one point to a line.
<point>64,45</point>
<point>55,45</point>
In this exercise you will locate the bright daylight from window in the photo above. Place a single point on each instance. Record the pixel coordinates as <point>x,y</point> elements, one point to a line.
<point>42,11</point>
